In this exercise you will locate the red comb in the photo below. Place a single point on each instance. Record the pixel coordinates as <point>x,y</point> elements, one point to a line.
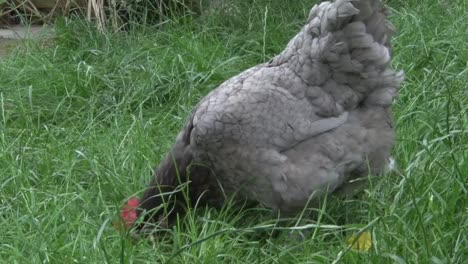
<point>129,213</point>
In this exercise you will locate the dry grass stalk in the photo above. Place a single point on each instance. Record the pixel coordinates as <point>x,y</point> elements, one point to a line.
<point>96,10</point>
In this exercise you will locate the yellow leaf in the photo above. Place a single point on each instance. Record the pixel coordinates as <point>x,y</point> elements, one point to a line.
<point>362,243</point>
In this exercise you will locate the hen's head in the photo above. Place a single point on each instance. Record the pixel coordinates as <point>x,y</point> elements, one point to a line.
<point>129,213</point>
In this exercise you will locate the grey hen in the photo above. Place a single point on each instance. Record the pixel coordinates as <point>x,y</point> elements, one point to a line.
<point>297,127</point>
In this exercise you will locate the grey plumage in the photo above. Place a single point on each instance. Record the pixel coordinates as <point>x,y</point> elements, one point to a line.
<point>300,125</point>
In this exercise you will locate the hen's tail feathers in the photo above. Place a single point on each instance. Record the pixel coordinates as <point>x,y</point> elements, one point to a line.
<point>166,195</point>
<point>346,45</point>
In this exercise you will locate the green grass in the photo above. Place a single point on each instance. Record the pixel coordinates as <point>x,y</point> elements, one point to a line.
<point>83,122</point>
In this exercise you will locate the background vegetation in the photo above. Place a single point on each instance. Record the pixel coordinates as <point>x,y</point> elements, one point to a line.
<point>84,119</point>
